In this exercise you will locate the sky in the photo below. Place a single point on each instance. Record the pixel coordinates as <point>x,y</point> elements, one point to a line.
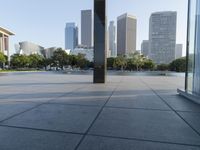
<point>43,21</point>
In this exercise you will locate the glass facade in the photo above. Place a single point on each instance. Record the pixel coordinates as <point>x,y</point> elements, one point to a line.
<point>193,48</point>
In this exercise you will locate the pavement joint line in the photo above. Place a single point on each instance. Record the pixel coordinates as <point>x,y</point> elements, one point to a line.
<point>31,102</point>
<point>173,109</point>
<point>39,129</point>
<point>150,109</point>
<point>191,112</point>
<point>144,140</point>
<point>82,105</point>
<point>71,104</point>
<point>75,105</point>
<point>13,95</point>
<point>38,105</point>
<point>97,116</point>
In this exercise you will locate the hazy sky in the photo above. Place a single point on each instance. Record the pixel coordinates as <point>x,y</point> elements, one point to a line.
<point>43,21</point>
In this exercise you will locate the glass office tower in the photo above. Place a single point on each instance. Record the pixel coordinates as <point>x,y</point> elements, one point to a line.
<point>192,86</point>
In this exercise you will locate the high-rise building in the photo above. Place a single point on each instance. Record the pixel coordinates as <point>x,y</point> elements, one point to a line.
<point>71,36</point>
<point>179,51</point>
<point>145,48</point>
<point>112,39</point>
<point>108,54</point>
<point>86,28</point>
<point>162,36</point>
<point>126,34</point>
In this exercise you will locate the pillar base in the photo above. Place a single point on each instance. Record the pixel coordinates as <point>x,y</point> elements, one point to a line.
<point>190,96</point>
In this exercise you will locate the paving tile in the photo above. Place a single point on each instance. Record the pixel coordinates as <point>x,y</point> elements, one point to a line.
<point>102,143</point>
<point>135,101</point>
<point>193,119</point>
<point>31,100</point>
<point>91,93</point>
<point>131,92</point>
<point>23,139</point>
<point>154,125</point>
<point>179,103</point>
<point>57,117</point>
<point>85,100</point>
<point>8,109</point>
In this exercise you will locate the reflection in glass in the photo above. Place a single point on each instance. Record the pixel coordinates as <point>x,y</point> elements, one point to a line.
<point>193,48</point>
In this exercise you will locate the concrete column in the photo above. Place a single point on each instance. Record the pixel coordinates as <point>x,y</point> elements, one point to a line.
<point>8,50</point>
<point>99,41</point>
<point>3,44</point>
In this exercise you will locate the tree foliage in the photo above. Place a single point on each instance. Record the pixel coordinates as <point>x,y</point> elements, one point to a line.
<point>36,61</point>
<point>60,58</point>
<point>20,61</point>
<point>178,65</point>
<point>2,59</point>
<point>132,62</point>
<point>120,62</point>
<point>163,67</point>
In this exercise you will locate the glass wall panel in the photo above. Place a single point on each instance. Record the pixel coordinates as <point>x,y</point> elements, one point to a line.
<point>193,49</point>
<point>196,84</point>
<point>191,45</point>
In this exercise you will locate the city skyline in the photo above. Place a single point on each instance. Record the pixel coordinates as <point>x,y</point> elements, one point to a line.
<point>36,26</point>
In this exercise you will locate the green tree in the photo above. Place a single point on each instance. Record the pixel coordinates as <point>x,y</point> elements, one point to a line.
<point>47,62</point>
<point>60,58</point>
<point>136,60</point>
<point>148,64</point>
<point>131,64</point>
<point>19,61</point>
<point>178,65</point>
<point>163,67</point>
<point>110,62</point>
<point>120,62</point>
<point>82,62</point>
<point>73,61</point>
<point>2,60</point>
<point>36,61</point>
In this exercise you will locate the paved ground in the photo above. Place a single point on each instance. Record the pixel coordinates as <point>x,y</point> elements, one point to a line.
<point>43,111</point>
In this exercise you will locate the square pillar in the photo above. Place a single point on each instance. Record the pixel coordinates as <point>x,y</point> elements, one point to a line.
<point>99,41</point>
<point>3,43</point>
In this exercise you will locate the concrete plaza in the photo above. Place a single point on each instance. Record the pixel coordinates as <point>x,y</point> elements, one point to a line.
<point>46,111</point>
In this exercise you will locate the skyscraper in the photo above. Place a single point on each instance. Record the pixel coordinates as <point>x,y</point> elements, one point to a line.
<point>162,36</point>
<point>145,48</point>
<point>86,28</point>
<point>71,36</point>
<point>112,39</point>
<point>126,34</point>
<point>179,49</point>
